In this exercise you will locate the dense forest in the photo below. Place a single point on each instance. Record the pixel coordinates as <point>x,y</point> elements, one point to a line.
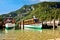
<point>43,11</point>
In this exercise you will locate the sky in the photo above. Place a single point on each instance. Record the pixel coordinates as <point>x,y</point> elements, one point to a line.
<point>7,6</point>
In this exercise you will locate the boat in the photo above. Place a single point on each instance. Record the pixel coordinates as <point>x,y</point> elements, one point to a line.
<point>9,23</point>
<point>31,24</point>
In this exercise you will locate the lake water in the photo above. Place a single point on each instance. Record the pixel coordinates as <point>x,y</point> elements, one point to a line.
<point>45,34</point>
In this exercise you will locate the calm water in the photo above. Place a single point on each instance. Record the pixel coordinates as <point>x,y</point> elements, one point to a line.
<point>45,34</point>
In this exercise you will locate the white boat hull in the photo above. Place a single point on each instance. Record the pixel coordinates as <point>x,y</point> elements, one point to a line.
<point>9,26</point>
<point>32,27</point>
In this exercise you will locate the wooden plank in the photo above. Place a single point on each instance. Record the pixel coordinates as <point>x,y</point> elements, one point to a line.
<point>53,24</point>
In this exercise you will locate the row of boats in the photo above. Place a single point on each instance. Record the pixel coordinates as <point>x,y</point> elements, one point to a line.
<point>9,23</point>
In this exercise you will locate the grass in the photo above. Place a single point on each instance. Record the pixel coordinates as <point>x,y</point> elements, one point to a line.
<point>46,34</point>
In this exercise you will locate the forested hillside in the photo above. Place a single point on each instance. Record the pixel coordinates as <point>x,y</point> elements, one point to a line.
<point>42,10</point>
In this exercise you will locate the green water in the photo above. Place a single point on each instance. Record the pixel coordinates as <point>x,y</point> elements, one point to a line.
<point>31,34</point>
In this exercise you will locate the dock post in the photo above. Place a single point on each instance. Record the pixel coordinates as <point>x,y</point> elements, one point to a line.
<point>53,24</point>
<point>23,24</point>
<point>42,23</point>
<point>20,25</point>
<point>58,21</point>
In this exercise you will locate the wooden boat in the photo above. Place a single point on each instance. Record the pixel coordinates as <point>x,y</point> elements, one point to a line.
<point>9,23</point>
<point>31,24</point>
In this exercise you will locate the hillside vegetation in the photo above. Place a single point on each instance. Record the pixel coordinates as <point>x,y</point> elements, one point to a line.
<point>42,10</point>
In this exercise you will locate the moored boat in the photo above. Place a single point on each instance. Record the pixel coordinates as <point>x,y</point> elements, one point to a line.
<point>9,23</point>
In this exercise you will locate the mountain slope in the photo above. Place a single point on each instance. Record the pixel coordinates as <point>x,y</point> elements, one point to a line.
<point>46,11</point>
<point>43,11</point>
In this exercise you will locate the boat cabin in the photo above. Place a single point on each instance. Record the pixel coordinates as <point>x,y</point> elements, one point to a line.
<point>9,20</point>
<point>30,21</point>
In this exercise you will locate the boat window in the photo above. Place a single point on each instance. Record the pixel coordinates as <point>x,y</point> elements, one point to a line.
<point>36,20</point>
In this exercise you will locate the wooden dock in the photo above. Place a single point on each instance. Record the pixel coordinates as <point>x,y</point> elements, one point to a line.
<point>51,23</point>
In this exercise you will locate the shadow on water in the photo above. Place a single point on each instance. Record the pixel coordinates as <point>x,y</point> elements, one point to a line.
<point>1,31</point>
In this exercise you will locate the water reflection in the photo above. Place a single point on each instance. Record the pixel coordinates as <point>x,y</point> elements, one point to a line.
<point>1,34</point>
<point>46,34</point>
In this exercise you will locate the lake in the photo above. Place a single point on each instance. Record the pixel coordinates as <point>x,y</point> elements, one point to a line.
<point>45,34</point>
